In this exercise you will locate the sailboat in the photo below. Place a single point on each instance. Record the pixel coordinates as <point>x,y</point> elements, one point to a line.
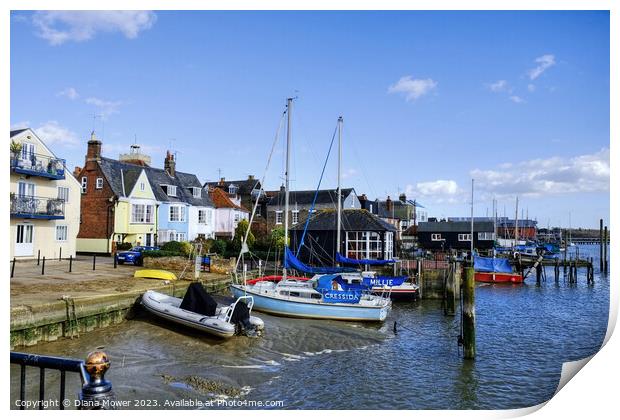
<point>330,294</point>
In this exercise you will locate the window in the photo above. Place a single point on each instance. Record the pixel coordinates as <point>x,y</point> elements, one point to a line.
<point>63,194</point>
<point>196,192</point>
<point>232,189</point>
<point>172,236</point>
<point>389,245</point>
<point>486,236</point>
<point>27,151</point>
<point>202,217</point>
<point>99,184</point>
<point>180,236</point>
<point>142,186</point>
<point>170,190</point>
<point>177,214</point>
<point>61,233</point>
<point>364,245</point>
<point>278,217</point>
<point>84,184</point>
<point>436,237</point>
<point>25,189</point>
<point>464,237</point>
<point>141,213</point>
<point>295,216</point>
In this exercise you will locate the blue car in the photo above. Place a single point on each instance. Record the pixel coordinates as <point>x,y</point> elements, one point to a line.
<point>134,255</point>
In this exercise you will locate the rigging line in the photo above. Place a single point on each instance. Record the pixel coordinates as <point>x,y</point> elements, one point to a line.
<point>316,193</point>
<point>273,146</point>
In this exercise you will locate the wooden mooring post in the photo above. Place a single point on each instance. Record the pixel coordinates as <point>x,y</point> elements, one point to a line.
<point>601,244</point>
<point>556,270</point>
<point>450,292</point>
<point>605,250</point>
<point>469,315</point>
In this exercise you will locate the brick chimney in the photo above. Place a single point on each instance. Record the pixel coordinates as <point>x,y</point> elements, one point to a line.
<point>93,152</point>
<point>388,204</point>
<point>222,180</point>
<point>250,177</point>
<point>402,198</point>
<point>170,164</point>
<point>76,171</point>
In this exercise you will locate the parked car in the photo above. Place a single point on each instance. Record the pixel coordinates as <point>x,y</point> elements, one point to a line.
<point>134,255</point>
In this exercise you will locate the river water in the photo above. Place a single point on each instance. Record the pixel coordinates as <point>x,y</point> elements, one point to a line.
<point>524,334</point>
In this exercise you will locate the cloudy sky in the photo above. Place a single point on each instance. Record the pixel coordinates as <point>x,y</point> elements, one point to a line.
<point>519,101</point>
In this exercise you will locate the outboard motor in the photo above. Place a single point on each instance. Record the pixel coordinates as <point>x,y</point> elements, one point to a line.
<point>241,318</point>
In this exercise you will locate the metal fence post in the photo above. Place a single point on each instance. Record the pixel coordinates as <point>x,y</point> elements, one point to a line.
<point>60,254</point>
<point>43,267</point>
<point>13,268</point>
<point>70,263</point>
<point>94,260</point>
<point>97,391</point>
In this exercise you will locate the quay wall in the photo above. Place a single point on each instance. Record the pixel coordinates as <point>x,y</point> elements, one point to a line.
<point>70,317</point>
<point>432,282</point>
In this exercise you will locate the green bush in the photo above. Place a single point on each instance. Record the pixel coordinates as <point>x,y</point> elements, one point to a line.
<point>124,246</point>
<point>160,254</point>
<point>219,246</point>
<point>180,248</point>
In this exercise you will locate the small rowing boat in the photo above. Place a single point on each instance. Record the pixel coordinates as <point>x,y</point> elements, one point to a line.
<point>155,274</point>
<point>200,311</point>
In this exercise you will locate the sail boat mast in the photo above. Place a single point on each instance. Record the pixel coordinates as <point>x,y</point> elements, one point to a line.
<point>517,222</point>
<point>339,193</point>
<point>289,108</point>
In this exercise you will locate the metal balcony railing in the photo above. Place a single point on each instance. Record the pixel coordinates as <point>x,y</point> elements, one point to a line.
<point>38,165</point>
<point>29,207</point>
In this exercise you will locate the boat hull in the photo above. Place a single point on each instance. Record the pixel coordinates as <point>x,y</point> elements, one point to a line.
<point>295,309</point>
<point>155,274</point>
<point>398,292</point>
<point>498,277</point>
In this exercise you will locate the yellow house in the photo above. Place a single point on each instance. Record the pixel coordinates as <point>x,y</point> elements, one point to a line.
<point>44,200</point>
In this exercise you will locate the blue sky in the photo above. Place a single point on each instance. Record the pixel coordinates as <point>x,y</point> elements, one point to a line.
<point>517,100</point>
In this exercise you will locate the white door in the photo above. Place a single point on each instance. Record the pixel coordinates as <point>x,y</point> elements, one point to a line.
<point>24,240</point>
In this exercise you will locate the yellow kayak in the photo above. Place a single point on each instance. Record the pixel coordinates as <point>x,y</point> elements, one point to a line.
<point>155,274</point>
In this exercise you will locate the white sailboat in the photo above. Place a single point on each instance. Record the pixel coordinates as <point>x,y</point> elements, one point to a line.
<point>324,296</point>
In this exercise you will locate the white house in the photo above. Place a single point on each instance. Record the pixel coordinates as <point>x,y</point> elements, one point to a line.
<point>228,214</point>
<point>45,200</point>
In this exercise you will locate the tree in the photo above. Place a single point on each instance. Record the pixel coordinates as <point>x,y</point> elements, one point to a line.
<point>242,228</point>
<point>277,237</point>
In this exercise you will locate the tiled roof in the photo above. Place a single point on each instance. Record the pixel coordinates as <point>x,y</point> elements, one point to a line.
<point>157,177</point>
<point>306,197</point>
<point>352,220</point>
<point>221,200</point>
<point>16,132</point>
<point>245,186</point>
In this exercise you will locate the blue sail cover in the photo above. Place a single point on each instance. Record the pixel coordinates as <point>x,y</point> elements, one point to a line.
<point>330,295</point>
<point>492,265</point>
<point>291,261</point>
<point>345,260</point>
<point>381,281</point>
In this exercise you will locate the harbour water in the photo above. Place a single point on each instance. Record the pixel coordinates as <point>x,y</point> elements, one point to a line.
<point>524,334</point>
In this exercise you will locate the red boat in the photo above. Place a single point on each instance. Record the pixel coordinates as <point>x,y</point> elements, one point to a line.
<point>486,277</point>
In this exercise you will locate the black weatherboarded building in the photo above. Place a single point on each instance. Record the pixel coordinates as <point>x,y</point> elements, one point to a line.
<point>363,236</point>
<point>445,235</point>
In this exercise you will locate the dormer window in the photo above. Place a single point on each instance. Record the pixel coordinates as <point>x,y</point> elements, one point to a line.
<point>170,190</point>
<point>232,189</point>
<point>196,192</point>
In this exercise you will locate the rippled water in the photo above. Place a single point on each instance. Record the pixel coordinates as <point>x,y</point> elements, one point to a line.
<point>524,333</point>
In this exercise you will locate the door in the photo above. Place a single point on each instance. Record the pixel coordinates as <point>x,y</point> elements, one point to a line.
<point>24,240</point>
<point>149,239</point>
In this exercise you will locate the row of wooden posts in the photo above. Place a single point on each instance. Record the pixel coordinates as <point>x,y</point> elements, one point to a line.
<point>41,262</point>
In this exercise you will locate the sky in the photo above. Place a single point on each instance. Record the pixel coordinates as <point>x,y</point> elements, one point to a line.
<point>518,101</point>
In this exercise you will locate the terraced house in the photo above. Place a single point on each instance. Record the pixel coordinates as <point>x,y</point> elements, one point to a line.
<point>44,200</point>
<point>127,200</point>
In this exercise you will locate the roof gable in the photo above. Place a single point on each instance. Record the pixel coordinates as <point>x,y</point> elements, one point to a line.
<point>221,200</point>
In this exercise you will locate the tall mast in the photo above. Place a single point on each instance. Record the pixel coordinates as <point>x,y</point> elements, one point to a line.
<point>339,193</point>
<point>517,222</point>
<point>289,109</point>
<point>471,242</point>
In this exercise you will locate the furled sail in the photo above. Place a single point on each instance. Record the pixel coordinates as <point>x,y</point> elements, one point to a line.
<point>292,262</point>
<point>345,260</point>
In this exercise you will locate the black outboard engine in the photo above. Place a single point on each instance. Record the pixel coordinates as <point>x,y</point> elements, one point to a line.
<point>241,318</point>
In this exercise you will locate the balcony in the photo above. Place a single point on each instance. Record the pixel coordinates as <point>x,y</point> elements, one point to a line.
<point>28,207</point>
<point>38,165</point>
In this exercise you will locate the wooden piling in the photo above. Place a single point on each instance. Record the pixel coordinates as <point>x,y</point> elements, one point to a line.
<point>450,290</point>
<point>601,244</point>
<point>469,315</point>
<point>605,250</point>
<point>556,270</point>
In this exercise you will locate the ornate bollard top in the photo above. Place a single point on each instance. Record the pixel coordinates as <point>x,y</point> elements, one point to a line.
<point>97,363</point>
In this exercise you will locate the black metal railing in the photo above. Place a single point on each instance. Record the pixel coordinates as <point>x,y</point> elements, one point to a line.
<point>38,165</point>
<point>37,207</point>
<point>96,392</point>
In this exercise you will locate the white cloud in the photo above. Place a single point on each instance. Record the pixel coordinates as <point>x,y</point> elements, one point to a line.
<point>106,108</point>
<point>60,26</point>
<point>20,124</point>
<point>517,99</point>
<point>531,87</point>
<point>544,62</point>
<point>412,88</point>
<point>439,191</point>
<point>53,133</point>
<point>70,93</point>
<point>499,86</point>
<point>350,173</point>
<point>555,175</point>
